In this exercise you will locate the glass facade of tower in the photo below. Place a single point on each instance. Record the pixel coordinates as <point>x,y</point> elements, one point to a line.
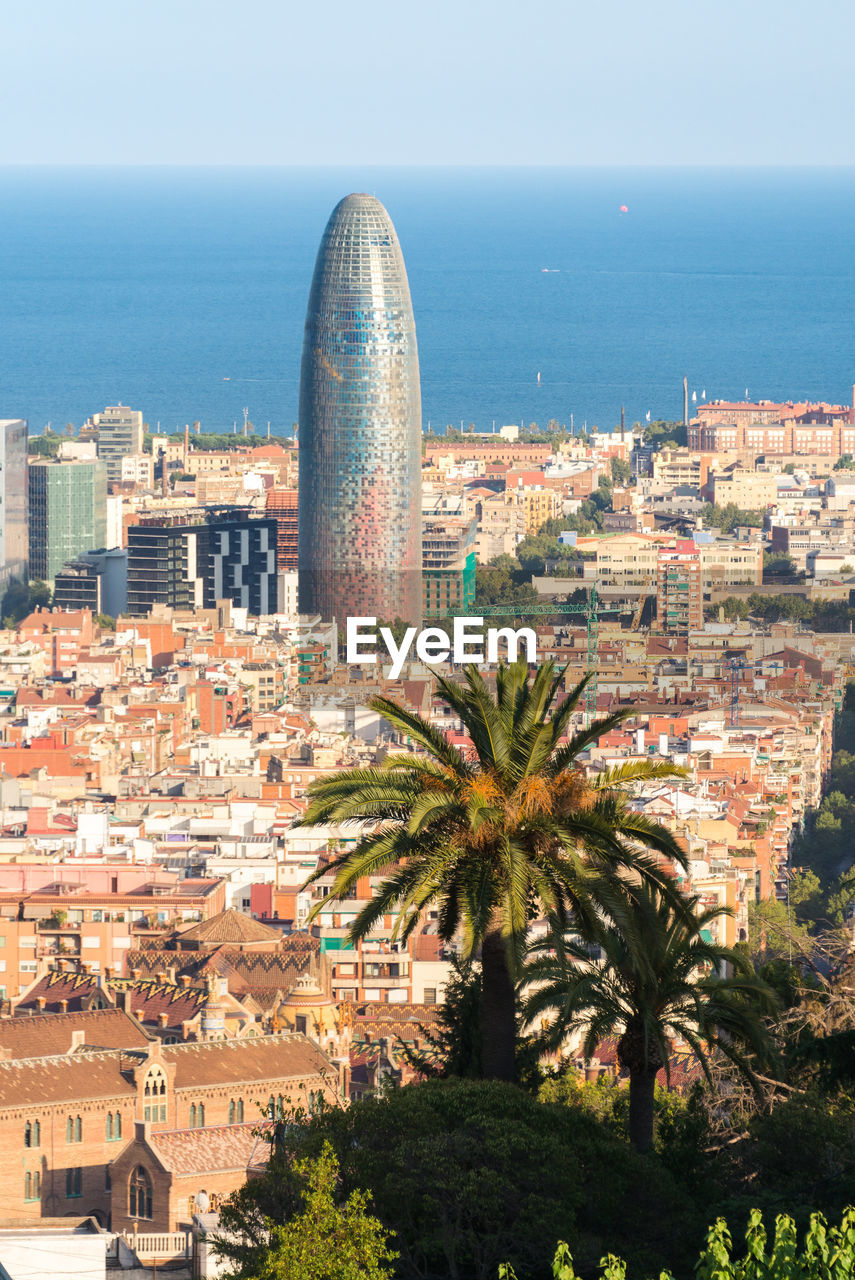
<point>68,513</point>
<point>360,426</point>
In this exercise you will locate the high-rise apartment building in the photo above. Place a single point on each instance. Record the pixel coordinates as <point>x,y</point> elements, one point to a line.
<point>120,435</point>
<point>68,513</point>
<point>360,425</point>
<point>282,505</point>
<point>192,560</point>
<point>448,564</point>
<point>14,527</point>
<point>679,590</point>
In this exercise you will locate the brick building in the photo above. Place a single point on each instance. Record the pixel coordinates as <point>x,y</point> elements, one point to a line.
<point>130,1135</point>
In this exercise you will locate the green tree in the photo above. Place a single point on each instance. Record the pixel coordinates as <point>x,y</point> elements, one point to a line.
<point>666,435</point>
<point>491,839</point>
<point>777,564</point>
<point>620,471</point>
<point>827,1254</point>
<point>324,1240</point>
<point>21,598</point>
<point>659,977</point>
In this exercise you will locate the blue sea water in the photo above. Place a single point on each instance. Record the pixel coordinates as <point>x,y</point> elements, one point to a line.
<point>182,291</point>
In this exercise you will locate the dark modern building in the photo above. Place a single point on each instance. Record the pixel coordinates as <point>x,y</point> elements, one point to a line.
<point>360,425</point>
<point>14,525</point>
<point>190,563</point>
<point>68,513</point>
<point>96,581</point>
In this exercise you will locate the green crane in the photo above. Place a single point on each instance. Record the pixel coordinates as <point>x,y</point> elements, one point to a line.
<point>589,609</point>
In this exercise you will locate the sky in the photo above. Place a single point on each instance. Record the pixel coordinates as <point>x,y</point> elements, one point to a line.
<point>278,82</point>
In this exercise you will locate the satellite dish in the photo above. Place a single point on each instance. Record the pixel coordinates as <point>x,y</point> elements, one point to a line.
<point>203,1202</point>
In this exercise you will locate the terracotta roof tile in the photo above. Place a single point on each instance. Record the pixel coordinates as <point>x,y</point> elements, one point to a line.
<point>90,1076</point>
<point>230,926</point>
<point>250,1059</point>
<point>53,1033</point>
<point>225,1148</point>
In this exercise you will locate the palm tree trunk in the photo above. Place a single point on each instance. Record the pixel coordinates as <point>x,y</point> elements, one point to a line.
<point>642,1090</point>
<point>498,1009</point>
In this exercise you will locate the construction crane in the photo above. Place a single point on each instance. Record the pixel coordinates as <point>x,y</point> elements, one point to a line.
<point>589,609</point>
<point>736,667</point>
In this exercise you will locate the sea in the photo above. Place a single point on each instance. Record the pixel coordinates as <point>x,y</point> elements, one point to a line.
<point>539,293</point>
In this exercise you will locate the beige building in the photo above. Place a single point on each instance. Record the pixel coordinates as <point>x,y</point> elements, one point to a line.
<point>137,469</point>
<point>748,490</point>
<point>628,562</point>
<point>501,522</point>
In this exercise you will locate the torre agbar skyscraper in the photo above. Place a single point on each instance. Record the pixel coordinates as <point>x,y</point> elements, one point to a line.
<point>360,426</point>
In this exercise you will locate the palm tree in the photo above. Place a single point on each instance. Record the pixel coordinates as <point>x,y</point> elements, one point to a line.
<point>659,975</point>
<point>493,839</point>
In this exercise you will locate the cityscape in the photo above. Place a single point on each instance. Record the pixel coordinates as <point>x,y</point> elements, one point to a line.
<point>426,849</point>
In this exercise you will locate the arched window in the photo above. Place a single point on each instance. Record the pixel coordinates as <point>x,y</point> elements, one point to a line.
<point>201,1115</point>
<point>37,1134</point>
<point>78,1129</point>
<point>117,1125</point>
<point>37,1185</point>
<point>193,1115</point>
<point>28,1136</point>
<point>154,1093</point>
<point>280,1106</point>
<point>232,1111</point>
<point>28,1186</point>
<point>271,1107</point>
<point>109,1126</point>
<point>139,1194</point>
<point>155,1083</point>
<point>240,1109</point>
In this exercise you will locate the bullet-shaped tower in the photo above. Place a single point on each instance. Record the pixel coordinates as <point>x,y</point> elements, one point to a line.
<point>360,547</point>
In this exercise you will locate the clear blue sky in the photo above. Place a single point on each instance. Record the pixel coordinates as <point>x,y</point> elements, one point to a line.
<point>437,82</point>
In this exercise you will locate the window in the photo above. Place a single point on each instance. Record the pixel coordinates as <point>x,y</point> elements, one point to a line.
<point>73,1183</point>
<point>32,1134</point>
<point>430,995</point>
<point>74,1129</point>
<point>154,1094</point>
<point>114,1126</point>
<point>197,1116</point>
<point>139,1194</point>
<point>108,1179</point>
<point>33,1186</point>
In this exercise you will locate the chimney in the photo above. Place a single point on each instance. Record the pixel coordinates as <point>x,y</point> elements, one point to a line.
<point>163,1019</point>
<point>161,975</point>
<point>136,974</point>
<point>63,1006</point>
<point>41,1001</point>
<point>170,973</point>
<point>184,980</point>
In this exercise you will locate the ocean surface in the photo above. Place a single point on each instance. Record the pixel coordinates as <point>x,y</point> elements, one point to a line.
<point>182,292</point>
